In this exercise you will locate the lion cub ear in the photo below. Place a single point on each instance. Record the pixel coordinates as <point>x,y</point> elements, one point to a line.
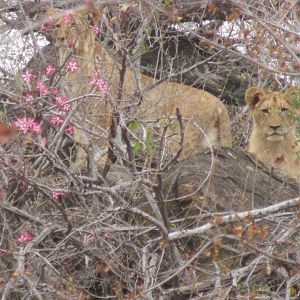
<point>96,11</point>
<point>253,96</point>
<point>293,92</point>
<point>54,13</point>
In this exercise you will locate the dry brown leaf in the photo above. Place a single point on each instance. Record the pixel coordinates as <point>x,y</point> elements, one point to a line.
<point>7,133</point>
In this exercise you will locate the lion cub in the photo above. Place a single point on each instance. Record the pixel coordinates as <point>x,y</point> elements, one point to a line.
<point>205,118</point>
<point>273,139</point>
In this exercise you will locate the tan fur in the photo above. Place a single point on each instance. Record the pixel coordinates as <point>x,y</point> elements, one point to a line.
<point>273,139</point>
<point>196,106</point>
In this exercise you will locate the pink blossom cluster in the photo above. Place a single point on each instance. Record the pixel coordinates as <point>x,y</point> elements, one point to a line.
<point>58,195</point>
<point>57,120</point>
<point>69,129</point>
<point>42,88</point>
<point>100,83</point>
<point>27,124</point>
<point>61,103</point>
<point>25,237</point>
<point>28,97</point>
<point>55,91</point>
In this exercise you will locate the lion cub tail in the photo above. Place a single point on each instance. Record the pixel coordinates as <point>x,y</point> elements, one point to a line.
<point>224,127</point>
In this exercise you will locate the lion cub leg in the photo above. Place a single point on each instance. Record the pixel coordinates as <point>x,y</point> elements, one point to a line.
<point>224,127</point>
<point>210,138</point>
<point>81,155</point>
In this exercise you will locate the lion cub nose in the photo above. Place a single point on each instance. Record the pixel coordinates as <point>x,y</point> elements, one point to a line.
<point>274,127</point>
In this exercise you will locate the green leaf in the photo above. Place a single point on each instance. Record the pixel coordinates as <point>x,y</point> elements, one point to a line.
<point>292,292</point>
<point>143,46</point>
<point>134,51</point>
<point>295,102</point>
<point>125,6</point>
<point>137,147</point>
<point>19,81</point>
<point>149,145</point>
<point>149,30</point>
<point>174,126</point>
<point>134,125</point>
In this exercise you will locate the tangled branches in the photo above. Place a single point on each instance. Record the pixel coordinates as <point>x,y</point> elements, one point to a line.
<point>142,225</point>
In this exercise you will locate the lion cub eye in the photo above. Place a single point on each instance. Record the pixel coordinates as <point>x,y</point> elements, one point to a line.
<point>265,111</point>
<point>284,109</point>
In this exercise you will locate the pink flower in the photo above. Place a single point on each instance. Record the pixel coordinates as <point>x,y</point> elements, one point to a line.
<point>42,87</point>
<point>27,124</point>
<point>101,85</point>
<point>41,84</point>
<point>56,120</point>
<point>57,195</point>
<point>60,103</point>
<point>91,238</point>
<point>73,66</point>
<point>69,129</point>
<point>98,71</point>
<point>68,16</point>
<point>28,97</point>
<point>55,91</point>
<point>44,92</point>
<point>49,70</point>
<point>25,237</point>
<point>95,29</point>
<point>63,106</point>
<point>61,98</point>
<point>27,76</point>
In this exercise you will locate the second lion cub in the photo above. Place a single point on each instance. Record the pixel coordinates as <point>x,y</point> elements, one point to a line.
<point>273,139</point>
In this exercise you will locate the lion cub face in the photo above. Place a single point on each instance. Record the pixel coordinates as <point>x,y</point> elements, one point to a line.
<point>273,113</point>
<point>73,28</point>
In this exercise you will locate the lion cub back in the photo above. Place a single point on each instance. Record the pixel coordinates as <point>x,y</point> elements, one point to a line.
<point>205,118</point>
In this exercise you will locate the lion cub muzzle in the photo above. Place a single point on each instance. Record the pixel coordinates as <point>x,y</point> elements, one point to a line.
<point>275,133</point>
